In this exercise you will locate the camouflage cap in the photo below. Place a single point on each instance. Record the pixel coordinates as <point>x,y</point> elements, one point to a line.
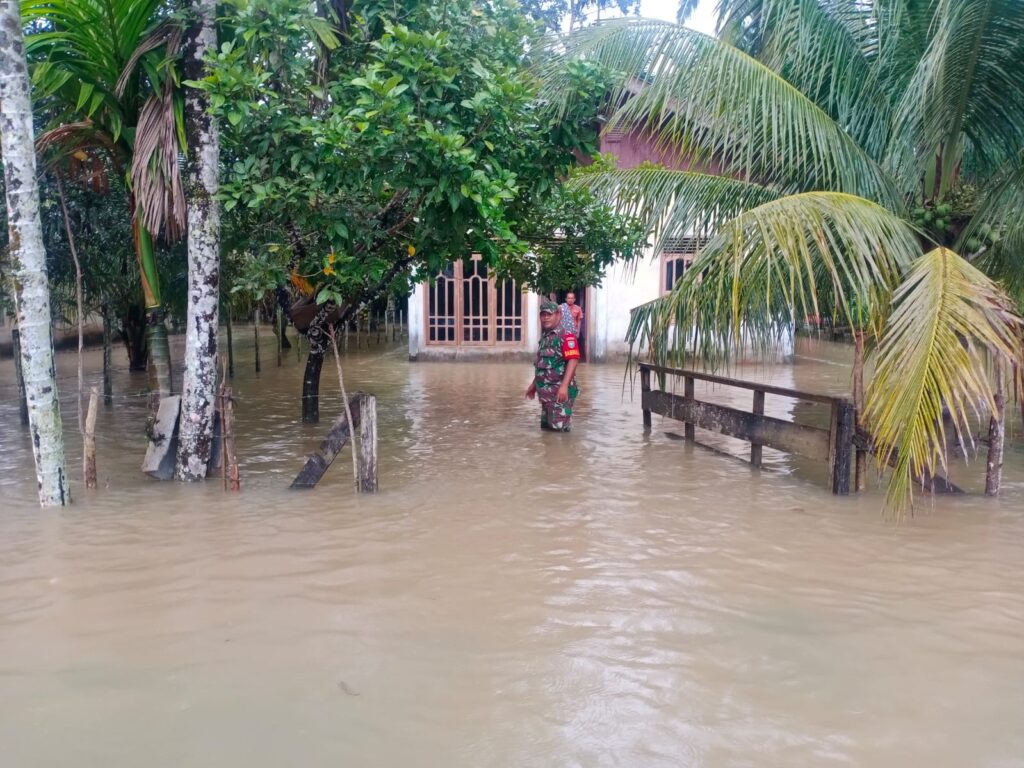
<point>548,306</point>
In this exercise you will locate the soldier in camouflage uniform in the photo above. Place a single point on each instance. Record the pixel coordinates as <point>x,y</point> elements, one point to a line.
<point>554,382</point>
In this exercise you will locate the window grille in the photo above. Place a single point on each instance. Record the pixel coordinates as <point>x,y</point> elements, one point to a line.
<point>467,306</point>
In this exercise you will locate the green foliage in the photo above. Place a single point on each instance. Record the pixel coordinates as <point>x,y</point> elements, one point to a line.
<point>413,140</point>
<point>833,146</point>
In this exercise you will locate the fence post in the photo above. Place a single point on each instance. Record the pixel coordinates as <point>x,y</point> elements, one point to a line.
<point>755,448</point>
<point>89,441</point>
<point>691,430</point>
<point>843,425</point>
<point>645,386</point>
<point>367,444</point>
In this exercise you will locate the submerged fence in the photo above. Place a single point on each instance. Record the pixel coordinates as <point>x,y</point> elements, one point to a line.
<point>836,445</point>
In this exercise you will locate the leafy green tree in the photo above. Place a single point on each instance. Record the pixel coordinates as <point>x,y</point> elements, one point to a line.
<point>378,148</point>
<point>848,155</point>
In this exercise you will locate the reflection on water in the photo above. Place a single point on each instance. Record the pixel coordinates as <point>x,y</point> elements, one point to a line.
<point>510,598</point>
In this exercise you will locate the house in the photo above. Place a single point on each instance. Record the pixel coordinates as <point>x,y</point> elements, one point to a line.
<point>466,314</point>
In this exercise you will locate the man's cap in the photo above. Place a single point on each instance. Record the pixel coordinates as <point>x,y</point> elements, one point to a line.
<point>548,306</point>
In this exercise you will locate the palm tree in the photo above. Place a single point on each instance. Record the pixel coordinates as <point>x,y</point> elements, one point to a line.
<point>858,157</point>
<point>29,262</point>
<point>105,71</point>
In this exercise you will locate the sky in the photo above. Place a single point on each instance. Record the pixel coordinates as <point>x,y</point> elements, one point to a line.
<point>703,19</point>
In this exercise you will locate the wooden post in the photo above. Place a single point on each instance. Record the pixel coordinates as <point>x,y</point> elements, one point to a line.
<point>645,386</point>
<point>996,435</point>
<point>231,346</point>
<point>367,444</point>
<point>89,440</point>
<point>690,430</point>
<point>279,324</point>
<point>755,448</point>
<point>223,442</point>
<point>108,389</point>
<point>256,335</point>
<point>844,426</point>
<point>860,473</point>
<point>231,458</point>
<point>19,375</point>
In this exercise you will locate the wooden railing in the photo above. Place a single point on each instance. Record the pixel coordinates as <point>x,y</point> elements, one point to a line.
<point>835,444</point>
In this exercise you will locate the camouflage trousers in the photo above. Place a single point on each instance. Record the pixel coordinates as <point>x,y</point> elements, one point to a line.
<point>554,415</point>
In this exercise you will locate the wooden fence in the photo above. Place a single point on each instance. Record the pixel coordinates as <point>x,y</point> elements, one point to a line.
<point>836,445</point>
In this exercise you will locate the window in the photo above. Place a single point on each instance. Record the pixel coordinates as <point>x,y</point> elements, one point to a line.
<point>676,257</point>
<point>466,306</point>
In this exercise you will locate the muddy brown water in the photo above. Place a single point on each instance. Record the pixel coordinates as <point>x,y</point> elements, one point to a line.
<point>510,598</point>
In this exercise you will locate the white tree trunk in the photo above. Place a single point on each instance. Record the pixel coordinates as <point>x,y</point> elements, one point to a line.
<point>198,397</point>
<point>32,292</point>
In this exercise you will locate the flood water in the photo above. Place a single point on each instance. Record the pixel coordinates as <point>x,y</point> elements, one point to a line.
<point>510,598</point>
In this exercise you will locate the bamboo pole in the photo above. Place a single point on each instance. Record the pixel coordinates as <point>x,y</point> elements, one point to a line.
<point>348,408</point>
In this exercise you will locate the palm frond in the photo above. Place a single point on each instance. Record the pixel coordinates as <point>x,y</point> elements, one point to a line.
<point>998,222</point>
<point>156,172</point>
<point>948,318</point>
<point>765,269</point>
<point>966,90</point>
<point>675,203</point>
<point>712,102</point>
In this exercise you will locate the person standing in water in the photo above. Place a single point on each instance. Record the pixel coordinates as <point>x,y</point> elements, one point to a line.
<point>554,380</point>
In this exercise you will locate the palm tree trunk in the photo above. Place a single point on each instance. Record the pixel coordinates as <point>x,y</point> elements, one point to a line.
<point>156,331</point>
<point>28,261</point>
<point>198,389</point>
<point>996,436</point>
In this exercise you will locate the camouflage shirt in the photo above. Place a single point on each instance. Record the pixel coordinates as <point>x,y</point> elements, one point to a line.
<point>557,347</point>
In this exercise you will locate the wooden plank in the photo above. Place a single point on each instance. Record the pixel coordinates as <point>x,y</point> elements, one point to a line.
<point>162,450</point>
<point>765,430</point>
<point>318,463</point>
<point>768,388</point>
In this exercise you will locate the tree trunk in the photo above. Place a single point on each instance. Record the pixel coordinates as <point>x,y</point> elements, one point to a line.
<point>133,332</point>
<point>28,261</point>
<point>256,335</point>
<point>996,436</point>
<point>861,466</point>
<point>108,393</point>
<point>311,386</point>
<point>156,331</point>
<point>231,344</point>
<point>282,323</point>
<point>199,385</point>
